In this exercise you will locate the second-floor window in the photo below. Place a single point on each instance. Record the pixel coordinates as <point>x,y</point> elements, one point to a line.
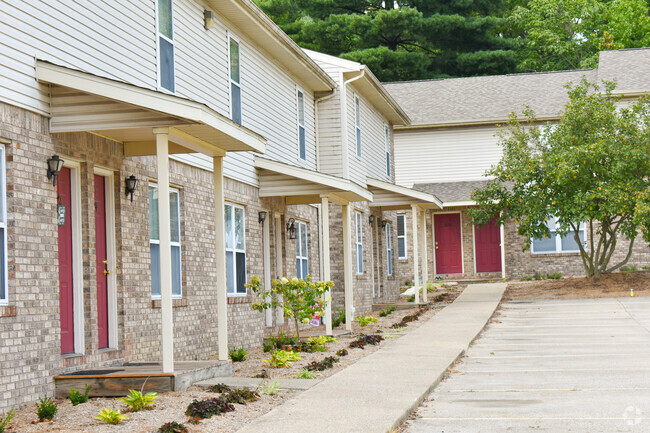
<point>302,253</point>
<point>302,151</point>
<point>166,73</point>
<point>358,220</point>
<point>235,250</point>
<point>389,249</point>
<point>235,80</point>
<point>401,236</point>
<point>387,149</point>
<point>154,240</point>
<point>357,123</point>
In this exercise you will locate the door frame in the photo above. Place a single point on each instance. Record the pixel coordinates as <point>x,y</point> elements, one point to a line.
<point>111,255</point>
<point>433,237</point>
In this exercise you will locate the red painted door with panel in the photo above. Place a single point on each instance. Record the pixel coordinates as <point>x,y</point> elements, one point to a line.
<point>487,240</point>
<point>66,276</point>
<point>448,246</point>
<point>101,261</point>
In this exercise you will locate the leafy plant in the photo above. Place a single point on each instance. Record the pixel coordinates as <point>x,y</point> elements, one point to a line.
<point>280,340</point>
<point>4,422</point>
<point>526,278</point>
<point>46,408</point>
<point>410,298</point>
<point>220,387</point>
<point>441,297</point>
<point>538,276</point>
<point>172,427</point>
<point>77,398</point>
<point>342,352</point>
<point>282,358</point>
<point>628,269</point>
<point>364,340</point>
<point>241,396</point>
<point>207,408</point>
<point>554,276</point>
<point>194,420</point>
<point>301,299</point>
<point>305,374</point>
<point>383,314</point>
<point>390,309</point>
<point>365,321</point>
<point>238,355</point>
<point>340,318</point>
<point>267,347</point>
<point>110,416</point>
<point>137,401</point>
<point>322,365</point>
<point>270,388</point>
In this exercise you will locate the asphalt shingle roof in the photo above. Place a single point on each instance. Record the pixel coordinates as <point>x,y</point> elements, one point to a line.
<point>451,191</point>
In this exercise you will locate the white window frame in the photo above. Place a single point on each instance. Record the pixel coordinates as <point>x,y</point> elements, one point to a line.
<point>235,39</point>
<point>357,123</point>
<point>302,145</point>
<point>236,250</point>
<point>558,241</point>
<point>4,300</point>
<point>405,256</point>
<point>389,249</point>
<point>387,150</point>
<point>158,56</point>
<point>177,192</point>
<point>358,240</point>
<point>301,235</point>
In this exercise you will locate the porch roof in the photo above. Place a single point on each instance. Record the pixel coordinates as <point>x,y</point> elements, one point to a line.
<point>83,102</point>
<point>391,196</point>
<point>303,186</point>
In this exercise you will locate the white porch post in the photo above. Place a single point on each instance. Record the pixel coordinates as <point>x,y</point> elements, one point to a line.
<point>347,266</point>
<point>502,232</point>
<point>327,276</point>
<point>266,234</point>
<point>220,258</point>
<point>278,260</point>
<point>425,265</point>
<point>416,255</point>
<point>164,229</point>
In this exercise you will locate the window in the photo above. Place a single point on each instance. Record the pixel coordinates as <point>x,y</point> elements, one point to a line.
<point>3,229</point>
<point>358,219</point>
<point>389,249</point>
<point>387,149</point>
<point>235,250</point>
<point>301,126</point>
<point>401,236</point>
<point>166,45</point>
<point>235,83</point>
<point>357,121</point>
<point>302,253</point>
<point>154,241</point>
<point>555,243</point>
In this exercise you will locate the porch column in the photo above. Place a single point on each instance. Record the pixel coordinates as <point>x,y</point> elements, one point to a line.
<point>220,258</point>
<point>327,276</point>
<point>266,252</point>
<point>347,266</point>
<point>425,265</point>
<point>164,230</point>
<point>416,255</point>
<point>502,233</point>
<point>278,260</point>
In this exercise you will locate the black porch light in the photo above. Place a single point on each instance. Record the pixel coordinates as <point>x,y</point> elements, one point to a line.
<point>371,219</point>
<point>383,223</point>
<point>54,166</point>
<point>291,228</point>
<point>130,183</point>
<point>261,216</point>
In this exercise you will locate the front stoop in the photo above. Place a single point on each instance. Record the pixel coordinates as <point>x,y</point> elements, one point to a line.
<point>116,381</point>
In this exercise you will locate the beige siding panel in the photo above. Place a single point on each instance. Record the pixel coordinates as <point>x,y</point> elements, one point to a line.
<point>329,125</point>
<point>445,155</point>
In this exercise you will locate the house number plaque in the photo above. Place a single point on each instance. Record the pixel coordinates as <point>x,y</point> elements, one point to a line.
<point>61,215</point>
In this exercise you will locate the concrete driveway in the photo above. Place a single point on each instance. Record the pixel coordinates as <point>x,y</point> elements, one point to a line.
<point>551,366</point>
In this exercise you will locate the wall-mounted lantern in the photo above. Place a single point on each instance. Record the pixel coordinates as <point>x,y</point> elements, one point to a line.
<point>54,166</point>
<point>130,183</point>
<point>372,219</point>
<point>208,19</point>
<point>261,216</point>
<point>291,228</point>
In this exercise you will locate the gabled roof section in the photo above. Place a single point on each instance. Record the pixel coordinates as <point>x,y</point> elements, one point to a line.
<point>630,69</point>
<point>453,193</point>
<point>266,34</point>
<point>368,85</point>
<point>485,100</point>
<point>390,196</point>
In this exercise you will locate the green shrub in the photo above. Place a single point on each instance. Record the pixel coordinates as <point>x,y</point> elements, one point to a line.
<point>237,355</point>
<point>282,358</point>
<point>322,365</point>
<point>270,388</point>
<point>629,269</point>
<point>363,340</point>
<point>365,321</point>
<point>526,278</point>
<point>207,408</point>
<point>383,314</point>
<point>411,298</point>
<point>282,339</point>
<point>267,347</point>
<point>46,408</point>
<point>220,387</point>
<point>390,309</point>
<point>305,374</point>
<point>137,401</point>
<point>241,396</point>
<point>554,276</point>
<point>172,427</point>
<point>342,352</point>
<point>77,398</point>
<point>539,276</point>
<point>340,318</point>
<point>4,422</point>
<point>110,416</point>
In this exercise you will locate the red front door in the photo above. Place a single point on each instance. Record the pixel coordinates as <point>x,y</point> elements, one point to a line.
<point>449,255</point>
<point>488,247</point>
<point>101,261</point>
<point>66,292</point>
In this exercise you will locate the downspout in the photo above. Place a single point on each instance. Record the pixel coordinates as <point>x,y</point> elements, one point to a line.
<point>344,123</point>
<point>316,128</point>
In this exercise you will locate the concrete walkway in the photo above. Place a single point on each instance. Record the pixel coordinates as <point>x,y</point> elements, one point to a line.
<point>377,392</point>
<point>551,366</point>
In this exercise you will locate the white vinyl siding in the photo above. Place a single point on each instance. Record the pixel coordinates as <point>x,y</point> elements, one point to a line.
<point>234,55</point>
<point>165,30</point>
<point>389,249</point>
<point>300,101</point>
<point>401,237</point>
<point>357,125</point>
<point>4,297</point>
<point>235,249</point>
<point>555,243</point>
<point>387,149</point>
<point>154,241</point>
<point>445,154</point>
<point>302,250</point>
<point>329,135</point>
<point>358,229</point>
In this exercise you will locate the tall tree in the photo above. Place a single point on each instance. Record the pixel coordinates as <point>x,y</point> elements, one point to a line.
<point>404,39</point>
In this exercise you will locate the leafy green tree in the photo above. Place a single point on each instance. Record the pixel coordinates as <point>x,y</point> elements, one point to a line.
<point>592,167</point>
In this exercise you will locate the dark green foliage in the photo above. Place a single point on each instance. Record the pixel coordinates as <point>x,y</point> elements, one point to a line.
<point>172,427</point>
<point>390,309</point>
<point>207,408</point>
<point>322,365</point>
<point>220,387</point>
<point>342,352</point>
<point>282,339</point>
<point>241,396</point>
<point>77,398</point>
<point>411,298</point>
<point>383,314</point>
<point>340,318</point>
<point>441,297</point>
<point>267,347</point>
<point>46,408</point>
<point>556,276</point>
<point>238,355</point>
